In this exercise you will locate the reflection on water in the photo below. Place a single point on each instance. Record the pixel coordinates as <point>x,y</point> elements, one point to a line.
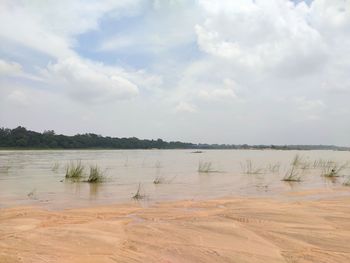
<point>292,185</point>
<point>94,188</point>
<point>237,172</point>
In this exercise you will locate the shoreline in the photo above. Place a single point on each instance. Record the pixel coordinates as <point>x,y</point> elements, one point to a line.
<point>230,229</point>
<point>168,149</point>
<point>308,194</point>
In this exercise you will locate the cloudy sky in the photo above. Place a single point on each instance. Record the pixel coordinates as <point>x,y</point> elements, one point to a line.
<point>230,71</point>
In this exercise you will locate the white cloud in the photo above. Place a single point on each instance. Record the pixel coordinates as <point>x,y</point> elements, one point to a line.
<point>14,69</point>
<point>185,107</point>
<point>309,105</point>
<point>165,25</point>
<point>88,81</point>
<point>18,97</point>
<point>309,109</point>
<point>9,68</point>
<point>261,35</point>
<point>50,26</point>
<point>217,94</point>
<point>220,94</point>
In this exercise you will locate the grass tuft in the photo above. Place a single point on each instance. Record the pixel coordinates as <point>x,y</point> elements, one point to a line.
<point>32,194</point>
<point>205,167</point>
<point>292,175</point>
<point>159,180</point>
<point>139,195</point>
<point>333,169</point>
<point>75,171</point>
<point>96,175</point>
<point>248,168</point>
<point>301,162</point>
<point>163,180</point>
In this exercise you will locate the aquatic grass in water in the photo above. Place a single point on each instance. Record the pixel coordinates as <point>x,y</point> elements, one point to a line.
<point>32,194</point>
<point>159,180</point>
<point>296,160</point>
<point>139,195</point>
<point>292,175</point>
<point>75,171</point>
<point>301,162</point>
<point>333,169</point>
<point>162,180</point>
<point>96,175</point>
<point>205,167</point>
<point>248,168</point>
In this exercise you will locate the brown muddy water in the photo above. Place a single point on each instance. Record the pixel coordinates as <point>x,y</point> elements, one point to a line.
<point>38,177</point>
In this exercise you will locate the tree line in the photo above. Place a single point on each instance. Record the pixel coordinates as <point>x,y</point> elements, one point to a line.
<point>20,137</point>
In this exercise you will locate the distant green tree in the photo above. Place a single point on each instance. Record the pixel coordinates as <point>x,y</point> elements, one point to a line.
<point>23,138</point>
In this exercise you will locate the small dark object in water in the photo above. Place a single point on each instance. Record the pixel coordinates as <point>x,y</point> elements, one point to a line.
<point>333,173</point>
<point>197,152</point>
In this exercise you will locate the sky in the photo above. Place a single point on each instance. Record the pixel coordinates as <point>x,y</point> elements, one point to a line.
<point>202,71</point>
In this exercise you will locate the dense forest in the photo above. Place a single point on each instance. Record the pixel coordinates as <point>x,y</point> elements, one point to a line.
<point>20,137</point>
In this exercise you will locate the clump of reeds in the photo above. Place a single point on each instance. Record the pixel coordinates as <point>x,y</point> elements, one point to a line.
<point>32,194</point>
<point>205,167</point>
<point>139,195</point>
<point>96,175</point>
<point>55,167</point>
<point>292,175</point>
<point>75,171</point>
<point>159,180</point>
<point>248,168</point>
<point>301,162</point>
<point>162,180</point>
<point>333,169</point>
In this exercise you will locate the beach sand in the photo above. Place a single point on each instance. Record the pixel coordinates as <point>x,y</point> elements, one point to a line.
<point>225,230</point>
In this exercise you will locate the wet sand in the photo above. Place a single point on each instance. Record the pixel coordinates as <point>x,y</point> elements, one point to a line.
<point>225,230</point>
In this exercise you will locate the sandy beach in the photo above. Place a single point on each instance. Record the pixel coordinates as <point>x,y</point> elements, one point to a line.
<point>224,230</point>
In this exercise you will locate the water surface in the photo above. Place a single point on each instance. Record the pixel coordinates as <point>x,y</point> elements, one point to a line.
<point>38,177</point>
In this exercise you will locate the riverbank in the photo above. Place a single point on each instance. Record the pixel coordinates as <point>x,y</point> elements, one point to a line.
<point>225,230</point>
